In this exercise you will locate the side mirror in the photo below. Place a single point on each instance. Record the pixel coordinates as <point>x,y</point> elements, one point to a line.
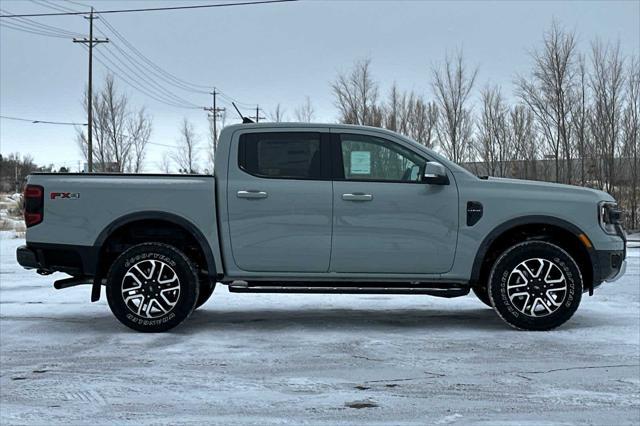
<point>435,174</point>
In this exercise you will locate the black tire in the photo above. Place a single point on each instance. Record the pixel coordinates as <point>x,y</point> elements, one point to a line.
<point>482,293</point>
<point>206,290</point>
<point>160,283</point>
<point>516,279</point>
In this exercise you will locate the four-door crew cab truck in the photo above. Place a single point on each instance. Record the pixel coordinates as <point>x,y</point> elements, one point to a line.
<point>314,208</point>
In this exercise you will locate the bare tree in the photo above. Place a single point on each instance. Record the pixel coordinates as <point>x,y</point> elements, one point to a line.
<point>580,114</point>
<point>607,85</point>
<point>452,84</point>
<point>101,154</point>
<point>278,115</point>
<point>115,108</point>
<point>186,155</point>
<point>631,138</point>
<point>423,121</point>
<point>356,96</point>
<point>395,111</point>
<point>139,129</point>
<point>549,90</point>
<point>120,135</point>
<point>409,114</point>
<point>494,141</point>
<point>525,141</point>
<point>165,163</point>
<point>305,113</point>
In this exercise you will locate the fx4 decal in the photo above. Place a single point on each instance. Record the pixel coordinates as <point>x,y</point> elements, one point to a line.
<point>65,195</point>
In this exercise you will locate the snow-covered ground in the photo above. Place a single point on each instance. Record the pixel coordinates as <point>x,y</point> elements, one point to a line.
<point>10,216</point>
<point>314,359</point>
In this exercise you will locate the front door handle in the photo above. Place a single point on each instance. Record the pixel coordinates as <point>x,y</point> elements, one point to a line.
<point>252,194</point>
<point>357,197</point>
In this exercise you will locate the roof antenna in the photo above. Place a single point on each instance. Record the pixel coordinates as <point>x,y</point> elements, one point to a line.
<point>245,120</point>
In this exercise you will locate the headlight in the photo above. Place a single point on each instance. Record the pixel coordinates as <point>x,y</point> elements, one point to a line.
<point>609,216</point>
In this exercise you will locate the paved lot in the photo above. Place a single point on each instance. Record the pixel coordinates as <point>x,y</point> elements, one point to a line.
<point>299,359</point>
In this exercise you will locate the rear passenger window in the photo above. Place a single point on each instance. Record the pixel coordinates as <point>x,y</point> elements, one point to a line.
<point>281,155</point>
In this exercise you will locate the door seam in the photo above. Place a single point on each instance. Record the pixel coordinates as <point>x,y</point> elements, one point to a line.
<point>333,201</point>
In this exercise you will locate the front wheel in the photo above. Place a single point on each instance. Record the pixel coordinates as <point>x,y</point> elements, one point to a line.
<point>152,287</point>
<point>535,285</point>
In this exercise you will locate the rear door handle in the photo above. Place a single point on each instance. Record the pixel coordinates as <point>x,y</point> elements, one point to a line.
<point>252,194</point>
<point>357,197</point>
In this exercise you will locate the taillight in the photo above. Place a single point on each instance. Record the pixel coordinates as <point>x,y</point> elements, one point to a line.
<point>33,204</point>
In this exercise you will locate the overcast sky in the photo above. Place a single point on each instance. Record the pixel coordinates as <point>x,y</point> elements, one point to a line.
<point>271,54</point>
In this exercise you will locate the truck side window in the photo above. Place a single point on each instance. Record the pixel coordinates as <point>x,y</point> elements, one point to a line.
<point>370,158</point>
<point>285,155</point>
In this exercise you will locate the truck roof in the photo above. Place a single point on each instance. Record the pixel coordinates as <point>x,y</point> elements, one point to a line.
<point>289,125</point>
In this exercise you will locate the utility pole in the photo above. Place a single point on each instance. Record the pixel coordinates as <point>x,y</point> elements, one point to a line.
<point>214,114</point>
<point>90,42</point>
<point>257,117</point>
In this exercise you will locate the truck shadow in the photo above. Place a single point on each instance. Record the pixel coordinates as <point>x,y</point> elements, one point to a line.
<point>208,320</point>
<point>331,319</point>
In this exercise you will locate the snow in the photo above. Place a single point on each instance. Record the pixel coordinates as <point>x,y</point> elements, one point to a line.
<point>9,205</point>
<point>314,359</point>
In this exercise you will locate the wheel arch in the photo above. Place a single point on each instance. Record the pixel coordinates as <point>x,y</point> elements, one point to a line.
<point>129,221</point>
<point>536,226</point>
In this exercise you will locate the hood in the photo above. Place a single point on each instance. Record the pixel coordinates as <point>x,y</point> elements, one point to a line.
<point>550,187</point>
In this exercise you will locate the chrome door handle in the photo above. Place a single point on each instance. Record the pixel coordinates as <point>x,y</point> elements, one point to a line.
<point>251,194</point>
<point>357,197</point>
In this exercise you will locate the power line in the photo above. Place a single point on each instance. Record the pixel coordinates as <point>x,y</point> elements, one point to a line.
<point>150,9</point>
<point>229,99</point>
<point>25,27</point>
<point>77,3</point>
<point>156,69</point>
<point>143,77</point>
<point>134,83</point>
<point>30,23</point>
<point>163,144</point>
<point>52,5</point>
<point>138,59</point>
<point>172,79</point>
<point>30,31</point>
<point>6,117</point>
<point>137,74</point>
<point>137,68</point>
<point>145,73</point>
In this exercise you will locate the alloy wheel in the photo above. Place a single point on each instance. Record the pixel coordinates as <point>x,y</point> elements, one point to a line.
<point>537,287</point>
<point>150,288</point>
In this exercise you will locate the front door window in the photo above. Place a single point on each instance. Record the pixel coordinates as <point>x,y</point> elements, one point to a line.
<point>367,158</point>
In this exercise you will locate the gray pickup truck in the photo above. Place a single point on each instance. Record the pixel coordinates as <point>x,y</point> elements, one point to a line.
<point>315,208</point>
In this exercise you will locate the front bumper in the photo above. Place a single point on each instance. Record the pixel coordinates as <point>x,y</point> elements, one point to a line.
<point>610,265</point>
<point>620,272</point>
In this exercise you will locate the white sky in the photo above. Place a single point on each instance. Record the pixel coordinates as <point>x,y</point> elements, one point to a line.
<point>276,54</point>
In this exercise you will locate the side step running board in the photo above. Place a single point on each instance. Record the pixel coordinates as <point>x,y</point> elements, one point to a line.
<point>439,289</point>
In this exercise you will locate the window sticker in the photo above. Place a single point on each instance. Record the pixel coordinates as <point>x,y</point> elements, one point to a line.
<point>360,163</point>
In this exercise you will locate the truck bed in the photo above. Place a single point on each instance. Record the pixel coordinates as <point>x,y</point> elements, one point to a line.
<point>80,209</point>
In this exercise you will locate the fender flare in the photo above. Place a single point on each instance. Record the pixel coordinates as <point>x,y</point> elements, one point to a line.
<point>526,220</point>
<point>151,215</point>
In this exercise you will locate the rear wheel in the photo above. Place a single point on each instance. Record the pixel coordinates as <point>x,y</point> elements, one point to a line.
<point>152,287</point>
<point>535,285</point>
